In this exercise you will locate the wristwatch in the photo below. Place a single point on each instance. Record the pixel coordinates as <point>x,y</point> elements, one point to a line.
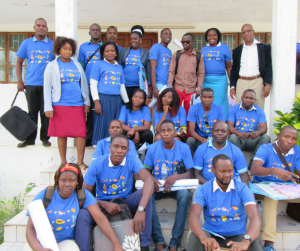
<point>247,237</point>
<point>141,209</point>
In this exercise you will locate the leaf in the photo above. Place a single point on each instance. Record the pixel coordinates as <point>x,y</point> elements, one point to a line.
<point>297,126</point>
<point>276,131</point>
<point>277,124</point>
<point>277,119</point>
<point>287,117</point>
<point>279,113</point>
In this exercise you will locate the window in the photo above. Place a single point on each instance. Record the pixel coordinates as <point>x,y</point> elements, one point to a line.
<point>199,41</point>
<point>261,37</point>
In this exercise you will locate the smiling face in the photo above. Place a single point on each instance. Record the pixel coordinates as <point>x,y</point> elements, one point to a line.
<point>66,51</point>
<point>95,31</point>
<point>115,128</point>
<point>187,42</point>
<point>118,150</point>
<point>135,41</point>
<point>109,53</point>
<point>166,36</point>
<point>212,38</point>
<point>247,33</point>
<point>220,132</point>
<point>112,35</point>
<point>167,98</point>
<point>40,27</point>
<point>67,183</point>
<point>223,170</point>
<point>138,99</point>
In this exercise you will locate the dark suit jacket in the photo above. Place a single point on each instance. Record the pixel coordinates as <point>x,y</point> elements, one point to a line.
<point>144,59</point>
<point>264,59</point>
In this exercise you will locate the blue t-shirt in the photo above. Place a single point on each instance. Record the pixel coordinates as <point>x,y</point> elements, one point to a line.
<point>113,181</point>
<point>38,54</point>
<point>179,119</point>
<point>215,58</point>
<point>206,152</point>
<point>86,50</point>
<point>224,212</point>
<point>163,57</point>
<point>246,121</point>
<point>270,159</point>
<point>103,148</point>
<point>135,118</point>
<point>132,68</point>
<point>196,115</point>
<point>109,77</point>
<point>70,85</point>
<point>298,48</point>
<point>62,214</point>
<point>164,161</point>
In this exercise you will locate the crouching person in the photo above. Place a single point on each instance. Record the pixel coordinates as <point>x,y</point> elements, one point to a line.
<point>63,210</point>
<point>113,175</point>
<point>226,204</point>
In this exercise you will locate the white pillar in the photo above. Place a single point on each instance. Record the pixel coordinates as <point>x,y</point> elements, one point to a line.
<point>284,35</point>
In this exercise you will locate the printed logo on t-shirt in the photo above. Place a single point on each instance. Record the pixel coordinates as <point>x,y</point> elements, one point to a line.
<point>114,186</point>
<point>69,75</point>
<point>135,123</point>
<point>112,77</point>
<point>60,220</point>
<point>218,214</point>
<point>38,56</point>
<point>206,127</point>
<point>211,55</point>
<point>245,124</point>
<point>132,60</point>
<point>166,59</point>
<point>94,58</point>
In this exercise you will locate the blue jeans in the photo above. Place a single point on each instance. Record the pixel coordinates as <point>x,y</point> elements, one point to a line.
<point>85,221</point>
<point>183,200</point>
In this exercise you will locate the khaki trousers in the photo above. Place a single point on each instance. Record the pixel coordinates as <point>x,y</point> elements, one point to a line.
<point>67,245</point>
<point>256,84</point>
<point>269,218</point>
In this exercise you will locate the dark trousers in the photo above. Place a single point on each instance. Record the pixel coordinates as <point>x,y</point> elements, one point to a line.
<point>195,244</point>
<point>89,121</point>
<point>35,102</point>
<point>145,136</point>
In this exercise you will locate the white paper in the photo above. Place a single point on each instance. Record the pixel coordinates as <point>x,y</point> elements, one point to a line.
<point>144,147</point>
<point>42,225</point>
<point>179,44</point>
<point>123,94</point>
<point>178,185</point>
<point>195,100</point>
<point>154,101</point>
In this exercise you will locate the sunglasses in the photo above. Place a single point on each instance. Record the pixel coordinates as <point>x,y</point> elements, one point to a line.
<point>187,42</point>
<point>206,120</point>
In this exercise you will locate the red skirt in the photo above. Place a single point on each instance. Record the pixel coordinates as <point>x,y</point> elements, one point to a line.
<point>67,121</point>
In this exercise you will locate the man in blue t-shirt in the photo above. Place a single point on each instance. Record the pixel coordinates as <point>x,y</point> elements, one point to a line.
<point>112,35</point>
<point>115,128</point>
<point>202,117</point>
<point>164,158</point>
<point>218,144</point>
<point>113,175</point>
<point>226,203</point>
<point>267,166</point>
<point>247,124</point>
<point>38,52</point>
<point>89,53</point>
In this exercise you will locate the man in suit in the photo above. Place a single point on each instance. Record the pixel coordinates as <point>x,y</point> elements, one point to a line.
<point>252,68</point>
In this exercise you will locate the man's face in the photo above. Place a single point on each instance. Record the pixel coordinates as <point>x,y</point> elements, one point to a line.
<point>40,27</point>
<point>248,99</point>
<point>95,31</point>
<point>167,132</point>
<point>220,132</point>
<point>287,139</point>
<point>166,36</point>
<point>112,35</point>
<point>223,171</point>
<point>118,149</point>
<point>115,129</point>
<point>247,33</point>
<point>207,98</point>
<point>187,42</point>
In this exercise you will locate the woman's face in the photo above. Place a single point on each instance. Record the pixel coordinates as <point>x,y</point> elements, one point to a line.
<point>138,99</point>
<point>167,99</point>
<point>67,183</point>
<point>135,41</point>
<point>66,51</point>
<point>212,37</point>
<point>110,52</point>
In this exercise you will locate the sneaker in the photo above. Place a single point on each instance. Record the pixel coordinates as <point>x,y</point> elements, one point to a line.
<point>46,143</point>
<point>24,144</point>
<point>269,248</point>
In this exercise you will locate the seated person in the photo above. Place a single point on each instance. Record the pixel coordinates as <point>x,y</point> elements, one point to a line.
<point>247,124</point>
<point>115,128</point>
<point>168,107</point>
<point>267,166</point>
<point>201,118</point>
<point>162,158</point>
<point>226,204</point>
<point>113,175</point>
<point>218,144</point>
<point>68,180</point>
<point>136,118</point>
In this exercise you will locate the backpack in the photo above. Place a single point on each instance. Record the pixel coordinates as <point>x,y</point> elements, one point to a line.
<point>178,54</point>
<point>49,195</point>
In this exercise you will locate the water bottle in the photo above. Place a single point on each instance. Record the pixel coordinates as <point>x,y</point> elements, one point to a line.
<point>259,207</point>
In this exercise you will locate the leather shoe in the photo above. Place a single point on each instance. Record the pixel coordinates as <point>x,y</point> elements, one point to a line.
<point>46,143</point>
<point>24,144</point>
<point>144,248</point>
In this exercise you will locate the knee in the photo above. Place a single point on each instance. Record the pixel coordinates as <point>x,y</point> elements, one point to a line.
<point>190,141</point>
<point>234,139</point>
<point>148,135</point>
<point>183,195</point>
<point>265,139</point>
<point>83,215</point>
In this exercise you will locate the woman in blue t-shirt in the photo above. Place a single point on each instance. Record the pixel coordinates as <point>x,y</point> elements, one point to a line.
<point>217,61</point>
<point>107,80</point>
<point>168,107</point>
<point>131,59</point>
<point>63,212</point>
<point>136,118</point>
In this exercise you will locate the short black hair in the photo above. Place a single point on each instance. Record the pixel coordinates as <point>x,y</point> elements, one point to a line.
<point>207,89</point>
<point>189,34</point>
<point>164,30</point>
<point>112,27</point>
<point>60,42</point>
<point>139,27</point>
<point>167,121</point>
<point>96,25</point>
<point>121,136</point>
<point>103,48</point>
<point>40,18</point>
<point>249,90</point>
<point>129,105</point>
<point>115,120</point>
<point>218,157</point>
<point>217,31</point>
<point>288,127</point>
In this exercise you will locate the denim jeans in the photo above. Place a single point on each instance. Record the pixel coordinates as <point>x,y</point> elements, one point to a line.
<point>183,200</point>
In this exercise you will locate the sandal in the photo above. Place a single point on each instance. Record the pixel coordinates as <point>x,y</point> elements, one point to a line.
<point>84,168</point>
<point>63,164</point>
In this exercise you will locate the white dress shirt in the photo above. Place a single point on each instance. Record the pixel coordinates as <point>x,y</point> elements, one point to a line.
<point>249,60</point>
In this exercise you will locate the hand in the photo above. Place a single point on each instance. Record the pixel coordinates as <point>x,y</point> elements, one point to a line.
<point>138,224</point>
<point>198,92</point>
<point>157,185</point>
<point>267,90</point>
<point>117,247</point>
<point>49,114</point>
<point>232,93</point>
<point>20,86</point>
<point>254,134</point>
<point>182,132</point>
<point>155,93</point>
<point>87,108</point>
<point>169,182</point>
<point>284,175</point>
<point>44,249</point>
<point>136,139</point>
<point>166,108</point>
<point>243,135</point>
<point>239,246</point>
<point>130,133</point>
<point>112,208</point>
<point>203,140</point>
<point>98,108</point>
<point>210,244</point>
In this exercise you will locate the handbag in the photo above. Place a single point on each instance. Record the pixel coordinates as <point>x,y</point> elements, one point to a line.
<point>125,213</point>
<point>18,122</point>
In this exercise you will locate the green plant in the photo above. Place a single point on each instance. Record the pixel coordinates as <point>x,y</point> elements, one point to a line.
<point>29,187</point>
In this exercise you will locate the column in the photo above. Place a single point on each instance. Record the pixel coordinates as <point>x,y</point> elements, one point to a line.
<point>284,37</point>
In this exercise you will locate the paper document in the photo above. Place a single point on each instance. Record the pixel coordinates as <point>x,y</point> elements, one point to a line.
<point>213,233</point>
<point>154,101</point>
<point>178,185</point>
<point>178,43</point>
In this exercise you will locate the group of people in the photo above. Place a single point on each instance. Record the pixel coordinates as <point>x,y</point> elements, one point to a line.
<point>202,141</point>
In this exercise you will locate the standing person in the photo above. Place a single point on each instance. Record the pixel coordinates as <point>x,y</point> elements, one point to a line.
<point>186,77</point>
<point>107,79</point>
<point>89,53</point>
<point>132,57</point>
<point>252,68</point>
<point>217,61</point>
<point>66,95</point>
<point>112,35</point>
<point>38,52</point>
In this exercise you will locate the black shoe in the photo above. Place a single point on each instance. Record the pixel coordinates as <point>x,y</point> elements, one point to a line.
<point>46,143</point>
<point>88,142</point>
<point>144,248</point>
<point>24,144</point>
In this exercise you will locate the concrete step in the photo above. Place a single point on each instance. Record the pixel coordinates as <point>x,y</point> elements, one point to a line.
<point>12,246</point>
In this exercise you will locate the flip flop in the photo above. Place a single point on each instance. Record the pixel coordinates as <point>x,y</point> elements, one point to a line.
<point>84,168</point>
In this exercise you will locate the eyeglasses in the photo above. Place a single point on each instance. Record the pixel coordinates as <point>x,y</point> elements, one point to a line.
<point>206,120</point>
<point>187,42</point>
